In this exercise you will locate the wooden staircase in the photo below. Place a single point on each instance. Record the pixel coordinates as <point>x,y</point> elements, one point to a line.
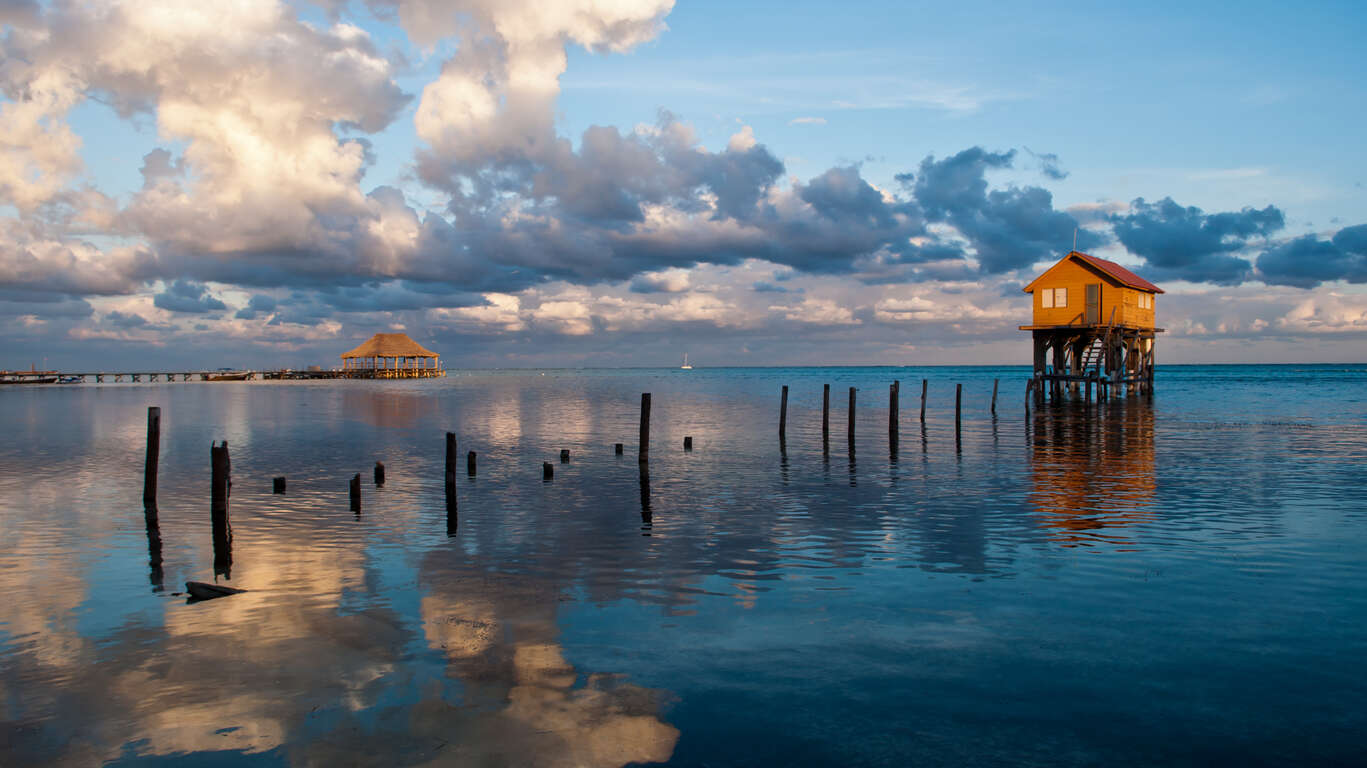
<point>1095,353</point>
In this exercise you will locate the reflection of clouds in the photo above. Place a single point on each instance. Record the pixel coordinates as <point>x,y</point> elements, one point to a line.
<point>502,644</point>
<point>1093,477</point>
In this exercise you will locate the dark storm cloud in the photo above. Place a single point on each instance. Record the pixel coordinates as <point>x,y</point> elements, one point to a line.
<point>1184,243</point>
<point>189,297</point>
<point>1010,228</point>
<point>1308,261</point>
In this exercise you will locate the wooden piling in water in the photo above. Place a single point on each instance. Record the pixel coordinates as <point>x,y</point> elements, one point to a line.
<point>450,479</point>
<point>825,418</point>
<point>924,383</point>
<point>547,470</point>
<point>783,415</point>
<point>643,453</point>
<point>958,404</point>
<point>617,448</point>
<point>278,485</point>
<point>688,443</point>
<point>379,473</point>
<point>149,472</point>
<point>564,455</point>
<point>355,492</point>
<point>850,426</point>
<point>470,463</point>
<point>219,470</point>
<point>894,390</point>
<point>994,396</point>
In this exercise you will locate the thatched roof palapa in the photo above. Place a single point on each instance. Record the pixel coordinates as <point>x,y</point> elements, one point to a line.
<point>390,345</point>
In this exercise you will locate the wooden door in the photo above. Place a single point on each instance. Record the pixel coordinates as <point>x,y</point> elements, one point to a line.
<point>1093,316</point>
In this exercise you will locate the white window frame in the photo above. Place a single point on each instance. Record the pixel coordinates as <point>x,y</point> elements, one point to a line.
<point>1060,297</point>
<point>1046,298</point>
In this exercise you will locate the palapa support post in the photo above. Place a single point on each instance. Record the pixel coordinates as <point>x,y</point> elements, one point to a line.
<point>355,492</point>
<point>219,470</point>
<point>850,426</point>
<point>379,473</point>
<point>994,396</point>
<point>547,470</point>
<point>688,443</point>
<point>617,448</point>
<point>470,463</point>
<point>1029,392</point>
<point>825,418</point>
<point>450,470</point>
<point>149,472</point>
<point>924,384</point>
<point>783,415</point>
<point>278,485</point>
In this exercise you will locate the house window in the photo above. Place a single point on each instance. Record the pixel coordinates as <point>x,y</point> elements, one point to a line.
<point>1145,301</point>
<point>1053,297</point>
<point>1060,297</point>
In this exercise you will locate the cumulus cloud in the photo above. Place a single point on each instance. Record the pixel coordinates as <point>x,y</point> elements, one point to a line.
<point>189,297</point>
<point>1308,261</point>
<point>1184,243</point>
<point>1010,228</point>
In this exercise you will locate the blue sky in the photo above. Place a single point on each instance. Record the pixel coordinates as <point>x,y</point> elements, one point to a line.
<point>761,183</point>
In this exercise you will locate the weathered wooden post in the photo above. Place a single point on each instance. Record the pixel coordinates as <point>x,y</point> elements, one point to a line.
<point>783,415</point>
<point>547,470</point>
<point>688,443</point>
<point>994,396</point>
<point>958,404</point>
<point>219,469</point>
<point>894,389</point>
<point>450,469</point>
<point>643,454</point>
<point>617,448</point>
<point>470,463</point>
<point>924,383</point>
<point>355,492</point>
<point>379,473</point>
<point>278,485</point>
<point>1029,391</point>
<point>149,472</point>
<point>564,455</point>
<point>825,417</point>
<point>850,427</point>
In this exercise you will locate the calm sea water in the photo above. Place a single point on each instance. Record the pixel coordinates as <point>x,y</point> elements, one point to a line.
<point>1177,582</point>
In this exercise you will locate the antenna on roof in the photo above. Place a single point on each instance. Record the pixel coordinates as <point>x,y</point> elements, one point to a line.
<point>1075,238</point>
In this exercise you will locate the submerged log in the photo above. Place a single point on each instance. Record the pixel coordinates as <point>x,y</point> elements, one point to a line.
<point>201,591</point>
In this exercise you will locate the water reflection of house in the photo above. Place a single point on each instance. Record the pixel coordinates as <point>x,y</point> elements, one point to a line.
<point>1092,477</point>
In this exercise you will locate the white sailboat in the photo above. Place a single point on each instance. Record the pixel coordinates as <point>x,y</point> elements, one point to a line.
<point>686,366</point>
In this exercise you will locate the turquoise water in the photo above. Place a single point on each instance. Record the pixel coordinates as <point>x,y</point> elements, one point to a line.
<point>1180,581</point>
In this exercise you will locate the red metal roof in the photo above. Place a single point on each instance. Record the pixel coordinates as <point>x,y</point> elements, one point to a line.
<point>1125,276</point>
<point>1114,270</point>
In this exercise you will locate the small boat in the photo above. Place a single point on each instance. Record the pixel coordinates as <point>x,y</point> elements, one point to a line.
<point>685,366</point>
<point>30,380</point>
<point>233,376</point>
<point>69,380</point>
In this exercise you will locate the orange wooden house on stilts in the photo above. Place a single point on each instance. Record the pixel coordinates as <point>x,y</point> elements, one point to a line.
<point>1096,320</point>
